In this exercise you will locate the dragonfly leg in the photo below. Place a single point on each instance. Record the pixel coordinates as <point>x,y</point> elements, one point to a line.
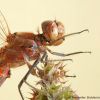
<point>28,84</point>
<point>69,54</point>
<point>57,60</point>
<point>26,76</point>
<point>29,71</point>
<point>44,57</point>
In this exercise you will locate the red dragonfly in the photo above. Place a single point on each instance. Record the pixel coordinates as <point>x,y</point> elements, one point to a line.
<point>21,47</point>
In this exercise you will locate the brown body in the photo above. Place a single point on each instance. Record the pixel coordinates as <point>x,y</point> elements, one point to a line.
<point>21,42</point>
<point>26,44</point>
<point>13,52</point>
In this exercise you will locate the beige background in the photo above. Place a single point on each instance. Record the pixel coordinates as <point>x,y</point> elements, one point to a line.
<point>27,15</point>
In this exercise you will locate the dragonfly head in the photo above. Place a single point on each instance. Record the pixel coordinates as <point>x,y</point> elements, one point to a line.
<point>53,30</point>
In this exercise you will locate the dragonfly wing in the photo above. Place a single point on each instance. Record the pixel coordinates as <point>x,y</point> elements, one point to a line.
<point>4,28</point>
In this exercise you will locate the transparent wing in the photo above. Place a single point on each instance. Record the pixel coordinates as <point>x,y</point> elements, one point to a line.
<point>4,28</point>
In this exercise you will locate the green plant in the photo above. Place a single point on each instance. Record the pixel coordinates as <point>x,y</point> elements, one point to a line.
<point>51,85</point>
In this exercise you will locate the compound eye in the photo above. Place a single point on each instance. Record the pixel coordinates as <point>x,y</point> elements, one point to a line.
<point>60,29</point>
<point>55,31</point>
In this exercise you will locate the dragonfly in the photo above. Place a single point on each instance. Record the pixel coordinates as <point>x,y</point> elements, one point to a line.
<point>19,48</point>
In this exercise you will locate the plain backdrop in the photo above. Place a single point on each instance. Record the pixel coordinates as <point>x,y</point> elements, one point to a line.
<point>27,15</point>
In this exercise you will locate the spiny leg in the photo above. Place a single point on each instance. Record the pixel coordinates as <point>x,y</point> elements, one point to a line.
<point>29,71</point>
<point>69,54</point>
<point>68,35</point>
<point>26,76</point>
<point>57,60</point>
<point>44,57</point>
<point>73,53</point>
<point>29,84</point>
